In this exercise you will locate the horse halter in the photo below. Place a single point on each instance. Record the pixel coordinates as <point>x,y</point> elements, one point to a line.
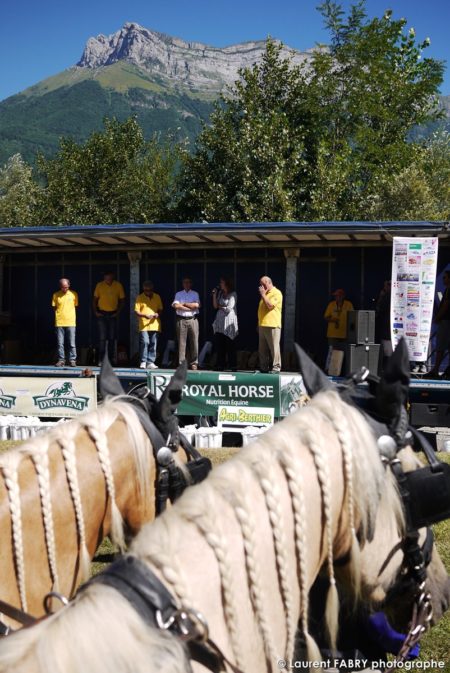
<point>160,423</point>
<point>170,479</point>
<point>424,493</point>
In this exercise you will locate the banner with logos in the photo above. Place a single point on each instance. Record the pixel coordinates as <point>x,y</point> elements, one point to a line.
<point>205,391</point>
<point>414,263</point>
<point>245,416</point>
<point>47,397</point>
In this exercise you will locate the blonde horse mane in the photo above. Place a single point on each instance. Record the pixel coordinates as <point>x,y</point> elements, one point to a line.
<point>274,462</point>
<point>96,423</point>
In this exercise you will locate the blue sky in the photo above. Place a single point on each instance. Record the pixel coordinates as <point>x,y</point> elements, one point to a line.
<point>41,39</point>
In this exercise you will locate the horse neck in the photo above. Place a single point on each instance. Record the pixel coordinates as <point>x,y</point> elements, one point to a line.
<point>63,502</point>
<point>134,489</point>
<point>257,559</point>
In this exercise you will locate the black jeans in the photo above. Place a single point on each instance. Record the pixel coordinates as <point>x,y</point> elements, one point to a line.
<point>107,332</point>
<point>226,350</point>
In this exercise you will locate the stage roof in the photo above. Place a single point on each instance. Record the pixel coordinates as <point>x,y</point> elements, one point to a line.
<point>130,237</point>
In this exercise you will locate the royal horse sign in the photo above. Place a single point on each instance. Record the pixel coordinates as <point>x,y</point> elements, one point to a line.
<point>204,392</point>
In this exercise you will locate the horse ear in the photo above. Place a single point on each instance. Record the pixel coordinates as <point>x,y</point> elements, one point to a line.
<point>314,379</point>
<point>392,391</point>
<point>397,366</point>
<point>108,382</point>
<point>173,393</point>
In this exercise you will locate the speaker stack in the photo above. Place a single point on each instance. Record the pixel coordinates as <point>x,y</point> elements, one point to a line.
<point>361,349</point>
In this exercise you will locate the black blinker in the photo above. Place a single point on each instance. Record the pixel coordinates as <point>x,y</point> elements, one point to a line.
<point>429,494</point>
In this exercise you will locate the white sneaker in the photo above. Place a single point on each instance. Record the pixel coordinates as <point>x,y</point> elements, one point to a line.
<point>151,365</point>
<point>142,365</point>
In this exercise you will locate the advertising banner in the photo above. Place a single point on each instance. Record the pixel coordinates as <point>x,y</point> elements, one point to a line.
<point>414,262</point>
<point>205,391</point>
<point>239,416</point>
<point>46,396</point>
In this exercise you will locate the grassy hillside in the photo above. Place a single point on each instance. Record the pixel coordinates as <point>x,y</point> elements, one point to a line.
<point>74,103</point>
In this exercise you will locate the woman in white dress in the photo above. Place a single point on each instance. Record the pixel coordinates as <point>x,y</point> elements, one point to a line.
<point>225,324</point>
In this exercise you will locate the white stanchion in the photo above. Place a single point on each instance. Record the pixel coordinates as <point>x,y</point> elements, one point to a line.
<point>208,438</point>
<point>20,428</point>
<point>250,433</point>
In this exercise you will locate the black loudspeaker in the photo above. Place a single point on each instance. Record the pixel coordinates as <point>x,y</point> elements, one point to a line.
<point>360,355</point>
<point>433,415</point>
<point>361,327</point>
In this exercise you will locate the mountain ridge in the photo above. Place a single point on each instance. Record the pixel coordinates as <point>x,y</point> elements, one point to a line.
<point>169,84</point>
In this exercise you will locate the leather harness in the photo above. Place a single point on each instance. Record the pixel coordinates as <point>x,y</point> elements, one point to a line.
<point>156,606</point>
<point>136,582</point>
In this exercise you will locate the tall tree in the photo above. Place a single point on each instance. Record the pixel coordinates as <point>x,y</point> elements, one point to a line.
<point>115,177</point>
<point>18,193</point>
<point>421,191</point>
<point>381,87</point>
<point>313,142</point>
<point>250,157</point>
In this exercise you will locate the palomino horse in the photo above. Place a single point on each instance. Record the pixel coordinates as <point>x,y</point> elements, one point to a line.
<point>64,491</point>
<point>236,557</point>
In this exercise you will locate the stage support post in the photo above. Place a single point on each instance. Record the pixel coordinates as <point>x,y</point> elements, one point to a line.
<point>292,256</point>
<point>2,276</point>
<point>135,288</point>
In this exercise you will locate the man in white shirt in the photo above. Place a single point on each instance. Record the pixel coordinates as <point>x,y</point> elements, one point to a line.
<point>186,305</point>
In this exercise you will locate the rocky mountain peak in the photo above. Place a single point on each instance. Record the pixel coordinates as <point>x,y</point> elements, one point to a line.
<point>190,64</point>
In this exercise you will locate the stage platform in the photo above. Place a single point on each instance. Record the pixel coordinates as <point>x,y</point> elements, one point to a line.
<point>426,392</point>
<point>421,390</point>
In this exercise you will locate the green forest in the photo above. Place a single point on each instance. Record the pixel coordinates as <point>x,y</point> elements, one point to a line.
<point>337,139</point>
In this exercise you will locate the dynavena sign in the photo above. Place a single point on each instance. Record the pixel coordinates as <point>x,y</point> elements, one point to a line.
<point>47,397</point>
<point>205,391</point>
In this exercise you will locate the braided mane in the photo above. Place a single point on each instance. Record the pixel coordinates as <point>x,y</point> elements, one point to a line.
<point>63,437</point>
<point>223,525</point>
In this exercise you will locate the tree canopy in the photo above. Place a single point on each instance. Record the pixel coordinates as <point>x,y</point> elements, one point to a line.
<point>18,193</point>
<point>330,139</point>
<point>115,176</point>
<point>315,142</point>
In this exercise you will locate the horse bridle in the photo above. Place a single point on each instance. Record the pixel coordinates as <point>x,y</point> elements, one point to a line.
<point>157,607</point>
<point>170,480</point>
<point>425,497</point>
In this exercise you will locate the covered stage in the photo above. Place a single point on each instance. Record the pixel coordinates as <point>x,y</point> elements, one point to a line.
<point>306,260</point>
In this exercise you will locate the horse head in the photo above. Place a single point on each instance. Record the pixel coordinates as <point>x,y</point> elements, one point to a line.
<point>161,412</point>
<point>399,562</point>
<point>160,422</point>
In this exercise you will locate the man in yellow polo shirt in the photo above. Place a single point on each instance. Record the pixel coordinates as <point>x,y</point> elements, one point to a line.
<point>269,325</point>
<point>109,298</point>
<point>148,308</point>
<point>336,317</point>
<point>65,302</point>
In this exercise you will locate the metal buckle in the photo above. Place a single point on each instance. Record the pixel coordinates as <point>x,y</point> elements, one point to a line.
<point>48,598</point>
<point>161,624</point>
<point>5,629</point>
<point>191,624</point>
